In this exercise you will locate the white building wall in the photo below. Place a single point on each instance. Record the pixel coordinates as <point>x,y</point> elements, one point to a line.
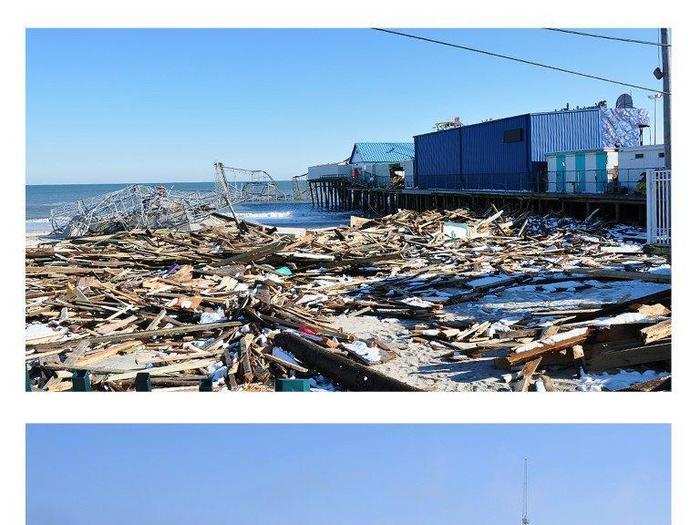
<point>329,170</point>
<point>635,161</point>
<point>408,174</point>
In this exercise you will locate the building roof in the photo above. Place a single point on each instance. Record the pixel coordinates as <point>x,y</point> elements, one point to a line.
<point>382,152</point>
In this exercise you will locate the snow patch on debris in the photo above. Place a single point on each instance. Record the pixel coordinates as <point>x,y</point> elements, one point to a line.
<point>552,340</point>
<point>37,333</point>
<point>489,280</point>
<point>617,381</point>
<point>662,269</point>
<point>281,353</point>
<point>530,298</point>
<point>370,354</point>
<point>626,318</point>
<point>417,302</point>
<point>622,248</point>
<point>212,316</point>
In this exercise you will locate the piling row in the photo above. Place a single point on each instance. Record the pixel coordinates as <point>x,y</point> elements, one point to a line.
<point>330,194</point>
<point>340,195</point>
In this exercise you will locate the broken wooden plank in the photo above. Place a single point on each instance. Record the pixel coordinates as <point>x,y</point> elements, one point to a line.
<point>344,371</point>
<point>629,356</point>
<point>545,346</point>
<point>656,332</point>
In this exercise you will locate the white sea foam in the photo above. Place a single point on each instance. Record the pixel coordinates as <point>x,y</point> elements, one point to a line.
<point>252,215</point>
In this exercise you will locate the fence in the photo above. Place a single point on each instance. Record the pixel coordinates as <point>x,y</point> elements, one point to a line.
<point>617,181</point>
<point>659,207</point>
<point>601,181</point>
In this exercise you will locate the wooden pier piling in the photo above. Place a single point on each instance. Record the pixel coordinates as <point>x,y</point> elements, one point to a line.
<point>338,194</point>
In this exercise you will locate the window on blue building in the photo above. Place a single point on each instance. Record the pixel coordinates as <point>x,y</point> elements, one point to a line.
<point>513,135</point>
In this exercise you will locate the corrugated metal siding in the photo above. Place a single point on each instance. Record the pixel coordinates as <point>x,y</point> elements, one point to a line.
<point>488,162</point>
<point>476,156</point>
<point>564,131</point>
<point>437,159</point>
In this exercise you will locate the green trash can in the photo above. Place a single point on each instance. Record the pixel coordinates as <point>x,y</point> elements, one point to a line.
<point>292,385</point>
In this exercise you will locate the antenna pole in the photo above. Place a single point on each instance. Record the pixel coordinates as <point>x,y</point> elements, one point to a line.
<point>525,520</point>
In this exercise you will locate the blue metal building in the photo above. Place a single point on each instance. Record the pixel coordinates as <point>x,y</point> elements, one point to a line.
<point>508,154</point>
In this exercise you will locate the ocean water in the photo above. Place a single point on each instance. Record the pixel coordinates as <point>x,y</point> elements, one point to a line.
<point>40,199</point>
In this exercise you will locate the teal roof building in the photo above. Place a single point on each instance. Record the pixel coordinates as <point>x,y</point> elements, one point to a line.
<point>376,152</point>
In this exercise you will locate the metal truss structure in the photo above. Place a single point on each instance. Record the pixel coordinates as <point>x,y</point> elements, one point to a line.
<point>151,207</point>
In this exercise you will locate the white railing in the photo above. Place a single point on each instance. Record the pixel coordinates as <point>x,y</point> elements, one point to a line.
<point>659,207</point>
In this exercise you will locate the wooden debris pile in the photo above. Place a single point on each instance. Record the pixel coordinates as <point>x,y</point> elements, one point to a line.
<point>242,305</point>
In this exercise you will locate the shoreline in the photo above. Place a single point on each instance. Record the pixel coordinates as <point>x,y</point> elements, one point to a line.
<point>35,238</point>
<point>32,239</point>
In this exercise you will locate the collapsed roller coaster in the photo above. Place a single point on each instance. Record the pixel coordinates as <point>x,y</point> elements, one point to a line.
<point>257,185</point>
<point>143,206</point>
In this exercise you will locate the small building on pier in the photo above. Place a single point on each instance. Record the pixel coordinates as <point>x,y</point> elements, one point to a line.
<point>329,171</point>
<point>379,164</point>
<point>509,154</point>
<point>608,170</point>
<point>374,164</point>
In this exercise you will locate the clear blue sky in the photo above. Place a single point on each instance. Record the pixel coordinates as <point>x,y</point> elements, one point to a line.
<point>347,475</point>
<point>162,105</point>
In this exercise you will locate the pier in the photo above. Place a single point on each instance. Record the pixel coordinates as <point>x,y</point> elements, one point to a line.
<point>338,194</point>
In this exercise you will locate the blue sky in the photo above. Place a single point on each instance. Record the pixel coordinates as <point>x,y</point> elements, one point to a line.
<point>347,475</point>
<point>162,105</point>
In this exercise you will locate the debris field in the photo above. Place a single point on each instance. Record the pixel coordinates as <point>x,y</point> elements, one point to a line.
<point>438,300</point>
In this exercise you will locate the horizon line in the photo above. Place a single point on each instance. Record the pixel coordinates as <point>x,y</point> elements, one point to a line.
<point>129,182</point>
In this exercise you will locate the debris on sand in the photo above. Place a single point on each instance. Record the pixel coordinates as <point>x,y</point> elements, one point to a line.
<point>493,301</point>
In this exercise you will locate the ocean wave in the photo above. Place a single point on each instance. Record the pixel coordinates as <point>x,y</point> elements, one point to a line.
<point>265,214</point>
<point>45,220</point>
<point>39,220</point>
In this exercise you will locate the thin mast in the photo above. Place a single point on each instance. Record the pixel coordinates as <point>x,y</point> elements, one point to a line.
<point>525,520</point>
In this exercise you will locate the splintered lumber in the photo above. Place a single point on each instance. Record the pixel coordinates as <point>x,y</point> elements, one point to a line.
<point>663,296</point>
<point>653,385</point>
<point>255,254</point>
<point>345,371</point>
<point>528,371</point>
<point>161,370</point>
<point>656,332</point>
<point>546,346</point>
<point>220,294</point>
<point>147,334</point>
<point>629,356</point>
<point>646,277</point>
<point>96,357</point>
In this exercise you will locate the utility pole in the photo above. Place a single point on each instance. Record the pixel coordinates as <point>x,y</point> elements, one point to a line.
<point>666,67</point>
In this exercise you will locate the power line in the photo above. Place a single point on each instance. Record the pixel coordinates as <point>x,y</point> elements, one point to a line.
<point>606,37</point>
<point>521,60</point>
